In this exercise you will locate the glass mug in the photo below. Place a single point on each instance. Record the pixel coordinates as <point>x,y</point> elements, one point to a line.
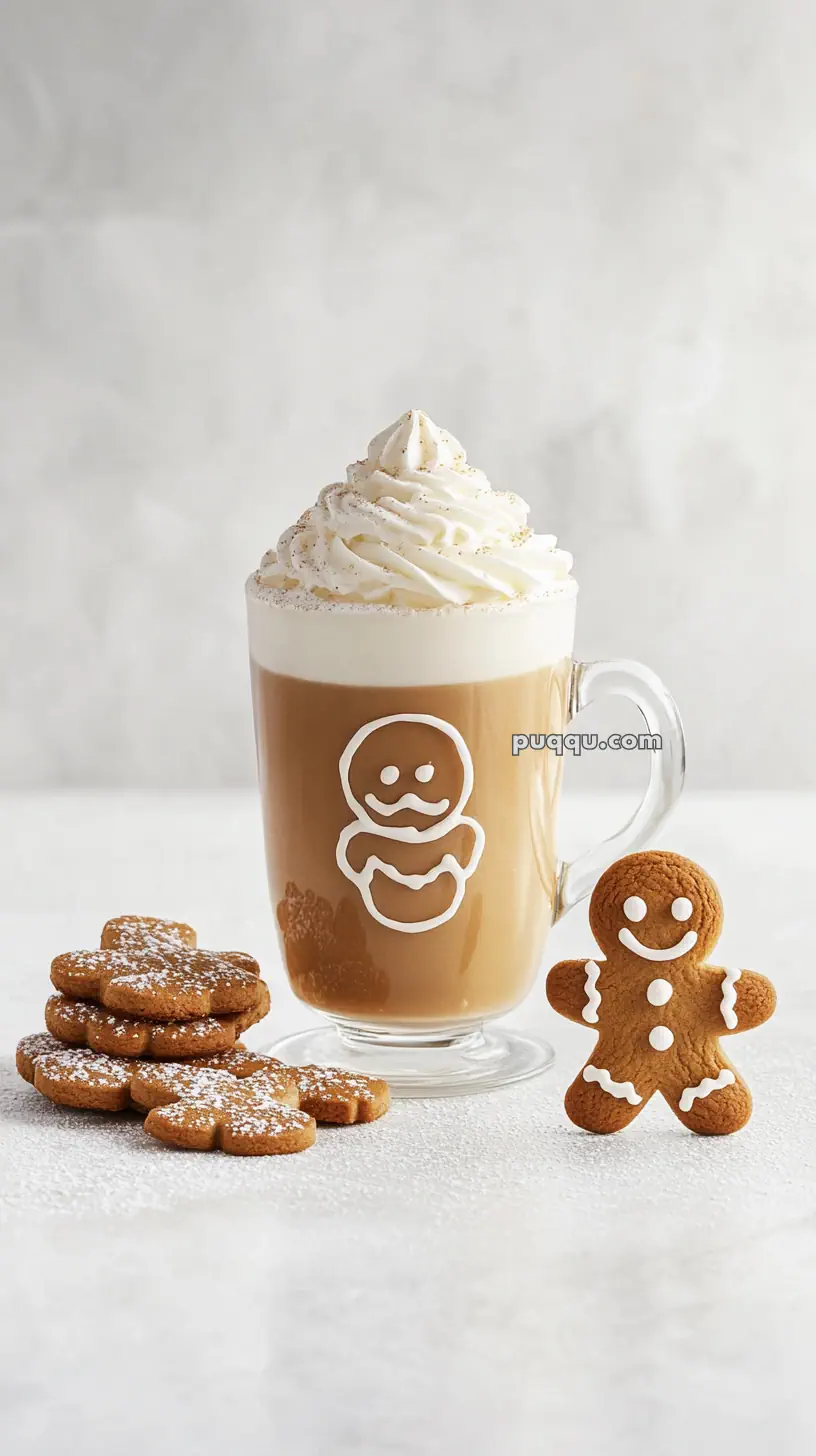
<point>411,853</point>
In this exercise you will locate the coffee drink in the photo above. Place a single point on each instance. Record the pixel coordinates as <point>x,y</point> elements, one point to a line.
<point>404,631</point>
<point>411,856</point>
<point>458,936</point>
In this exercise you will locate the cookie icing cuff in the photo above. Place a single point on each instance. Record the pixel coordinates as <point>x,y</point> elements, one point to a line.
<point>593,995</point>
<point>729,999</point>
<point>704,1088</point>
<point>622,1090</point>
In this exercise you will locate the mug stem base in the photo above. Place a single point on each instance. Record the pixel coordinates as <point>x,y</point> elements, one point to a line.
<point>457,1063</point>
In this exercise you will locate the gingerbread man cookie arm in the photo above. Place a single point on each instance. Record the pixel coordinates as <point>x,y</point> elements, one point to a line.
<point>575,990</point>
<point>740,1000</point>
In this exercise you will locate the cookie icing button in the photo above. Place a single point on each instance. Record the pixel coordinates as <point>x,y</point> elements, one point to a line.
<point>708,1084</point>
<point>623,1090</point>
<point>659,992</point>
<point>729,998</point>
<point>652,953</point>
<point>593,995</point>
<point>661,1038</point>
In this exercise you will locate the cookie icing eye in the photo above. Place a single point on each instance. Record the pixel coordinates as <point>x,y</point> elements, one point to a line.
<point>424,773</point>
<point>634,908</point>
<point>389,774</point>
<point>682,908</point>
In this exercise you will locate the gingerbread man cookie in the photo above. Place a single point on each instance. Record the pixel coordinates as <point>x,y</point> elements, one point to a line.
<point>658,1007</point>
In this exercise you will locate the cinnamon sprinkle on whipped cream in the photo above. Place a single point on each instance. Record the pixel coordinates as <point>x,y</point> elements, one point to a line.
<point>414,525</point>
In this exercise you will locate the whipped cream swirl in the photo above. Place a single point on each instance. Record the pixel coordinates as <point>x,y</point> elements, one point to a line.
<point>414,525</point>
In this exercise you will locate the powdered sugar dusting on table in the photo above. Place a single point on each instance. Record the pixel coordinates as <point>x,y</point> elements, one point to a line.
<point>511,1153</point>
<point>568,1284</point>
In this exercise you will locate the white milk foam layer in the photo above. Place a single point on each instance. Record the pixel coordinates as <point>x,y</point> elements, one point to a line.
<point>298,634</point>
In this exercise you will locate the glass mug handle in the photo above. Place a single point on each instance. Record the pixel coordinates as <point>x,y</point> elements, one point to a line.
<point>667,767</point>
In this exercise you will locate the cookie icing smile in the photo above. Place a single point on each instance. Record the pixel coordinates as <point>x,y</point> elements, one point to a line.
<point>651,953</point>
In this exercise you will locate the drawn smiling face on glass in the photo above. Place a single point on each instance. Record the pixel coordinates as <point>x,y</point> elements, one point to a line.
<point>406,772</point>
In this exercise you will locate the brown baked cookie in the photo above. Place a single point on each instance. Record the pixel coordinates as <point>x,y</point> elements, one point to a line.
<point>74,1076</point>
<point>77,1077</point>
<point>658,1007</point>
<point>84,1023</point>
<point>332,1095</point>
<point>157,1084</point>
<point>204,1109</point>
<point>171,983</point>
<point>146,932</point>
<point>328,1094</point>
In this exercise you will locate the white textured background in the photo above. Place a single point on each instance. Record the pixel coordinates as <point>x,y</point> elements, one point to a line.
<point>238,238</point>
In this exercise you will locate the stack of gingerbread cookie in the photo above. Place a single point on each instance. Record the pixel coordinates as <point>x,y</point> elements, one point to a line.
<point>151,1022</point>
<point>149,991</point>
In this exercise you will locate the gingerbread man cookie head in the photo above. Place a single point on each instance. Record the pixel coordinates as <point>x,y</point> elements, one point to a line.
<point>407,771</point>
<point>659,907</point>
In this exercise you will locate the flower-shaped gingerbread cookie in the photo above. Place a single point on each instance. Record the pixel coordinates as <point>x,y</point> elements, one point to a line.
<point>75,1076</point>
<point>147,968</point>
<point>658,1007</point>
<point>78,1077</point>
<point>328,1094</point>
<point>83,1023</point>
<point>204,1109</point>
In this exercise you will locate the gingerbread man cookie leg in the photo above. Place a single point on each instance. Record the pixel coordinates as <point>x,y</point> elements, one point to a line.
<point>607,1095</point>
<point>709,1096</point>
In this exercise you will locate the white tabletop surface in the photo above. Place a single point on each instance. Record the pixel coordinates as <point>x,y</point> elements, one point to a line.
<point>474,1275</point>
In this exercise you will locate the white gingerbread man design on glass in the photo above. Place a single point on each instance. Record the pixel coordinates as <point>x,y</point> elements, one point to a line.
<point>383,769</point>
<point>659,1009</point>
